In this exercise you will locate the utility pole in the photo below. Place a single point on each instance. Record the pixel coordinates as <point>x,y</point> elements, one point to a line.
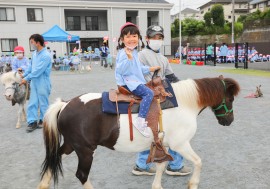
<point>233,21</point>
<point>180,35</point>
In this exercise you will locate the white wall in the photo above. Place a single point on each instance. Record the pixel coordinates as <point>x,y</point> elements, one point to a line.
<point>22,29</point>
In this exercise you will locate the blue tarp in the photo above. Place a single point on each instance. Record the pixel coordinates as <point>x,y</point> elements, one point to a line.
<point>56,34</point>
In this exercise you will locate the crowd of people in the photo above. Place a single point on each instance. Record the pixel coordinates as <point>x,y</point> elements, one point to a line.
<point>71,60</point>
<point>224,54</point>
<point>15,60</point>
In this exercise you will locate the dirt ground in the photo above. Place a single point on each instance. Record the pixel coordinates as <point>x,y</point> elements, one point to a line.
<point>235,157</point>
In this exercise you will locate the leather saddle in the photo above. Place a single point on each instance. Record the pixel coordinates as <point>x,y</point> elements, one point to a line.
<point>158,153</point>
<point>123,95</point>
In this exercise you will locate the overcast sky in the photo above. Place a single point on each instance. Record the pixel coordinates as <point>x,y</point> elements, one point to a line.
<point>194,4</point>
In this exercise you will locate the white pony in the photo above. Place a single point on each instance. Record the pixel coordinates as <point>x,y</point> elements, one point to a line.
<point>15,93</point>
<point>84,126</point>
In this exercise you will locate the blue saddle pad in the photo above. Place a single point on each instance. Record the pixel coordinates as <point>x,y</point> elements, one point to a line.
<point>110,107</point>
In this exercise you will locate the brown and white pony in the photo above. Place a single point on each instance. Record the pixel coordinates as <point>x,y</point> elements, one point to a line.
<point>84,126</point>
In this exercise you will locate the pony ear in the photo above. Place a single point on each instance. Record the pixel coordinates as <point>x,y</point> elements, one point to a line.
<point>232,86</point>
<point>221,77</point>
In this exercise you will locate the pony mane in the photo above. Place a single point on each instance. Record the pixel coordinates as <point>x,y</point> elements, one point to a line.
<point>211,90</point>
<point>9,77</point>
<point>186,93</point>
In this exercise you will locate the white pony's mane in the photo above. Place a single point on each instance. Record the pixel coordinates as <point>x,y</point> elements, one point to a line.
<point>186,93</point>
<point>9,77</point>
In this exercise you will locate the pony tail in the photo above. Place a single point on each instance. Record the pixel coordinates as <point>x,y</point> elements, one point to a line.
<point>142,42</point>
<point>118,46</point>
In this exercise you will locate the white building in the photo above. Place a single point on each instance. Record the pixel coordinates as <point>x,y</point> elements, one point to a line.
<point>92,20</point>
<point>261,5</point>
<point>241,7</point>
<point>187,13</point>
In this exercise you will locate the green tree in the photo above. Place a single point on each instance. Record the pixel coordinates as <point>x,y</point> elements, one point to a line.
<point>228,28</point>
<point>192,26</point>
<point>267,14</point>
<point>217,13</point>
<point>173,31</point>
<point>242,18</point>
<point>175,28</point>
<point>207,18</point>
<point>254,16</point>
<point>238,28</point>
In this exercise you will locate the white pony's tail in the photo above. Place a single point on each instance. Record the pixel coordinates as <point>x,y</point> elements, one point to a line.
<point>52,140</point>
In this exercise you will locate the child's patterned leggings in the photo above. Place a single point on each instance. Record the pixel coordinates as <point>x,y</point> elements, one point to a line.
<point>147,96</point>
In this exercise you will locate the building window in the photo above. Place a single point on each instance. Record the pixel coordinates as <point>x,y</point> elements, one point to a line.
<point>148,21</point>
<point>128,19</point>
<point>254,6</point>
<point>7,14</point>
<point>8,45</point>
<point>202,12</point>
<point>268,3</point>
<point>91,23</point>
<point>209,9</point>
<point>73,23</point>
<point>34,15</point>
<point>261,5</point>
<point>229,17</point>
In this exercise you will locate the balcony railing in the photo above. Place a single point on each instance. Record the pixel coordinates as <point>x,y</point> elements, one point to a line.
<point>88,27</point>
<point>73,27</point>
<point>96,27</point>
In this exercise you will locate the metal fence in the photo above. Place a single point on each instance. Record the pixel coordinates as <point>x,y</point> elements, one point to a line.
<point>241,55</point>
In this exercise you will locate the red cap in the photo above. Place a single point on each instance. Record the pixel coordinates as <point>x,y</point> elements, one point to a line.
<point>128,24</point>
<point>19,49</point>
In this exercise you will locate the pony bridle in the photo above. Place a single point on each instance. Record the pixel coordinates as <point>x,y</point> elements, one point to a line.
<point>223,105</point>
<point>15,86</point>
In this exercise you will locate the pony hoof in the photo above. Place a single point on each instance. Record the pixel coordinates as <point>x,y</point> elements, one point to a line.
<point>157,188</point>
<point>42,186</point>
<point>18,126</point>
<point>192,186</point>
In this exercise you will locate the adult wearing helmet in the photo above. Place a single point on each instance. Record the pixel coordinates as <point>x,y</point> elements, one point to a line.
<point>20,62</point>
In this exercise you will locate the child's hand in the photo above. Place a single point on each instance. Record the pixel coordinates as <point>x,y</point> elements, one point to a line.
<point>129,53</point>
<point>154,68</point>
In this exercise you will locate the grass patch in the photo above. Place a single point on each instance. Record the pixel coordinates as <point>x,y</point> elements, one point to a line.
<point>259,73</point>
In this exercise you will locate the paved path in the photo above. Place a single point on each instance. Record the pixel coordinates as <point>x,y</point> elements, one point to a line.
<point>236,157</point>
